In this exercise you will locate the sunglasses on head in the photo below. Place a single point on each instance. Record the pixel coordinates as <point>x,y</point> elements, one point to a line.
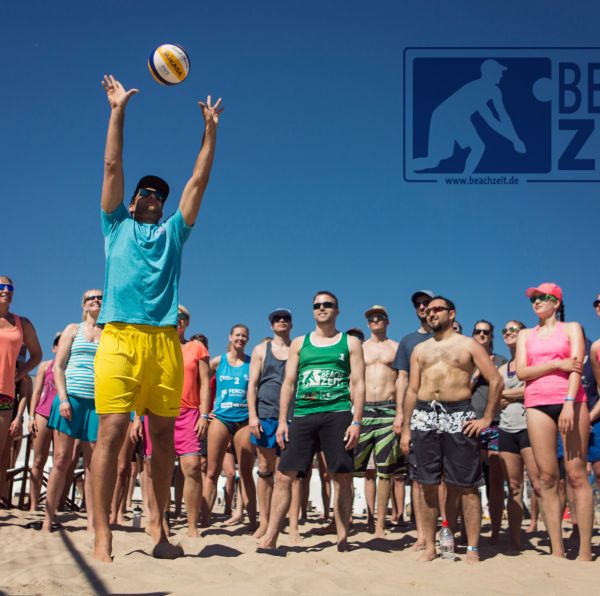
<point>596,303</point>
<point>543,298</point>
<point>146,192</point>
<point>435,309</point>
<point>376,318</point>
<point>484,331</point>
<point>7,288</point>
<point>318,305</point>
<point>511,329</point>
<point>93,297</point>
<point>284,318</point>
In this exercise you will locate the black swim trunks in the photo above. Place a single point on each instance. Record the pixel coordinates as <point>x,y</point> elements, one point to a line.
<point>441,446</point>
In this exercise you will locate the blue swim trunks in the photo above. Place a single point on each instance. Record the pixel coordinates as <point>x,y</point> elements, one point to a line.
<point>268,436</point>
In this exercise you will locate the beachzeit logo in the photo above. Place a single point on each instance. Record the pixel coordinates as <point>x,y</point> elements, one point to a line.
<point>501,116</point>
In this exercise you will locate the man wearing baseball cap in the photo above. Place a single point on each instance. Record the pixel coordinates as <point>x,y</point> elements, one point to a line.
<point>378,439</point>
<point>139,361</point>
<point>267,369</point>
<point>420,301</point>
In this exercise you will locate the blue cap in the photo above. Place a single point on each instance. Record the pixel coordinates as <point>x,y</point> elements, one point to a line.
<point>279,311</point>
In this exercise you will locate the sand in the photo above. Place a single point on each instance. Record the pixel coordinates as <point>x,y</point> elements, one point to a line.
<point>224,561</point>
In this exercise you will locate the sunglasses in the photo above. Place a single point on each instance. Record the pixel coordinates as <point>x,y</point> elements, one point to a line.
<point>284,318</point>
<point>145,192</point>
<point>542,298</point>
<point>512,329</point>
<point>94,297</point>
<point>485,332</point>
<point>318,305</point>
<point>376,318</point>
<point>7,288</point>
<point>596,303</point>
<point>182,317</point>
<point>435,309</point>
<point>421,303</point>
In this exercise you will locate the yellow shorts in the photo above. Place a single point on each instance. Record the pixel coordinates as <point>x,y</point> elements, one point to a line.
<point>138,367</point>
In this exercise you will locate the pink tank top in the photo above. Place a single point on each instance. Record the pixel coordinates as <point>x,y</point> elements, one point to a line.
<point>48,392</point>
<point>11,340</point>
<point>552,387</point>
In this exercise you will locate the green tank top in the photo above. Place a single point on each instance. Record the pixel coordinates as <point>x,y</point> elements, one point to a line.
<point>323,378</point>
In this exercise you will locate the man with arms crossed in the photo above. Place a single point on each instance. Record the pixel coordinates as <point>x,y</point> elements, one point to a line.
<point>377,436</point>
<point>320,368</point>
<point>139,361</point>
<point>267,369</point>
<point>440,420</point>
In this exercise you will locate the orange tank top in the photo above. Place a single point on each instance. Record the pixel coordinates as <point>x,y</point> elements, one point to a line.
<point>11,340</point>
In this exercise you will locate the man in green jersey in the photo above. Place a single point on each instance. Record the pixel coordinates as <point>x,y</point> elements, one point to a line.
<point>320,367</point>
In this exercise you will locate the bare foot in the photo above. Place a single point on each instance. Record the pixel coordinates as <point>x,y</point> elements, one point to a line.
<point>193,532</point>
<point>260,532</point>
<point>585,557</point>
<point>166,550</point>
<point>380,533</point>
<point>236,518</point>
<point>342,545</point>
<point>472,557</point>
<point>418,545</point>
<point>267,544</point>
<point>531,528</point>
<point>427,555</point>
<point>294,537</point>
<point>103,548</point>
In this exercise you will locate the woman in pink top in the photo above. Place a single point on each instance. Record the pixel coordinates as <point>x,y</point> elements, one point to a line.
<point>44,391</point>
<point>14,332</point>
<point>549,359</point>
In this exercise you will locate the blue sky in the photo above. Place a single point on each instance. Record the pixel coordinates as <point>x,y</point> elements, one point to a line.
<point>307,189</point>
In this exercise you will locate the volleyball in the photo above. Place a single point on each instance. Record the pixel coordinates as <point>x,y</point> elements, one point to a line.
<point>169,64</point>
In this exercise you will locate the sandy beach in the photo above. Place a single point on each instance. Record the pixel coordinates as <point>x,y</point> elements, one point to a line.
<point>224,561</point>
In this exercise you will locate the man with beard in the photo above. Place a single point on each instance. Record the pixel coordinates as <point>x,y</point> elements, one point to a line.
<point>440,420</point>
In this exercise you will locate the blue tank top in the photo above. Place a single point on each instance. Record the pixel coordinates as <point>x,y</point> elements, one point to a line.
<point>231,403</point>
<point>79,374</point>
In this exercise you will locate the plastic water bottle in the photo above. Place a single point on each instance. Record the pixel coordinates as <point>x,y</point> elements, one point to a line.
<point>137,517</point>
<point>446,542</point>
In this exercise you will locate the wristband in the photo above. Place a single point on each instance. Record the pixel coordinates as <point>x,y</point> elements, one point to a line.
<point>569,399</point>
<point>204,416</point>
<point>356,423</point>
<point>21,418</point>
<point>64,401</point>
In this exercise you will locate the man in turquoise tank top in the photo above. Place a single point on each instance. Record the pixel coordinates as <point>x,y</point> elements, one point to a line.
<point>139,363</point>
<point>320,368</point>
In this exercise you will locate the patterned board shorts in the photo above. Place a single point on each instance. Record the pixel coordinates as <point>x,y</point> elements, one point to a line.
<point>440,446</point>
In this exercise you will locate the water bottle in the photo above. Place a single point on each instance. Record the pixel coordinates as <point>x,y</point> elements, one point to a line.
<point>446,542</point>
<point>137,517</point>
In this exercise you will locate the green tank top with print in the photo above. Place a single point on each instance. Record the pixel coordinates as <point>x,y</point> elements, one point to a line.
<point>323,378</point>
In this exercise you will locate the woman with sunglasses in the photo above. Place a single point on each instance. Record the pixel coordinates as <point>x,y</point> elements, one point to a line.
<point>73,414</point>
<point>515,449</point>
<point>550,359</point>
<point>14,332</point>
<point>483,333</point>
<point>230,424</point>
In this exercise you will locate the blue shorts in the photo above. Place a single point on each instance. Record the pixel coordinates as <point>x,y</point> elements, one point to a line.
<point>594,444</point>
<point>268,436</point>
<point>84,420</point>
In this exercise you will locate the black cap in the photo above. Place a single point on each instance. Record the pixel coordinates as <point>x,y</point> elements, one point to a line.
<point>153,182</point>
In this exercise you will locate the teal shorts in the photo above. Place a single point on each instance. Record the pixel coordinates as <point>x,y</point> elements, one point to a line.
<point>84,420</point>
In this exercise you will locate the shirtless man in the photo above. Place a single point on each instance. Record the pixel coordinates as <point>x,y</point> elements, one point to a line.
<point>378,437</point>
<point>442,424</point>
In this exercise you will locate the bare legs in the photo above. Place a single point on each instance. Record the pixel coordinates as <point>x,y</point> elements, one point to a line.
<point>496,493</point>
<point>41,447</point>
<point>267,460</point>
<point>191,468</point>
<point>383,498</point>
<point>123,474</point>
<point>370,495</point>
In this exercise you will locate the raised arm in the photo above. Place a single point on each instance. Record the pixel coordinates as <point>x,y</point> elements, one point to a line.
<point>256,364</point>
<point>112,185</point>
<point>193,192</point>
<point>287,390</point>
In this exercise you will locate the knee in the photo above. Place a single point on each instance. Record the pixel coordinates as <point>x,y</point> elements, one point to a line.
<point>325,477</point>
<point>192,470</point>
<point>283,479</point>
<point>61,461</point>
<point>548,481</point>
<point>38,463</point>
<point>577,480</point>
<point>515,488</point>
<point>123,470</point>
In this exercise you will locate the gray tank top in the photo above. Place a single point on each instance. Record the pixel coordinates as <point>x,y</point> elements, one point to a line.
<point>269,385</point>
<point>512,418</point>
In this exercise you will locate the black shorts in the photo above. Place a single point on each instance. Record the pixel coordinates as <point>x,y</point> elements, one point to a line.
<point>324,430</point>
<point>513,442</point>
<point>440,445</point>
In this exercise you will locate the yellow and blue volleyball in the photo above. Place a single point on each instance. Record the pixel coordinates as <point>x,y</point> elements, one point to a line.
<point>169,64</point>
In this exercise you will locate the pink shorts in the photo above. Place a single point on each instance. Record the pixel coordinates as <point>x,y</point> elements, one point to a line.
<point>186,439</point>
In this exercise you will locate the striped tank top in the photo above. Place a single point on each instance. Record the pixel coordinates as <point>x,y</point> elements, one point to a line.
<point>79,374</point>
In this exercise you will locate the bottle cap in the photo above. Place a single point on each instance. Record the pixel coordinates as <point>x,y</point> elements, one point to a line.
<point>444,523</point>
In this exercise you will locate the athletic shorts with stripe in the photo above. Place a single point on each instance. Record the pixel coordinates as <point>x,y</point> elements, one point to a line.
<point>378,439</point>
<point>138,367</point>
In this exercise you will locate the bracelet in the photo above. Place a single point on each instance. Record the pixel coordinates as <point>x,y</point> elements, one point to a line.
<point>472,549</point>
<point>569,399</point>
<point>204,416</point>
<point>356,423</point>
<point>64,401</point>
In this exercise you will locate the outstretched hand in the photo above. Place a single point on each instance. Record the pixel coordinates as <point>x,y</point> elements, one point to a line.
<point>115,92</point>
<point>211,113</point>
